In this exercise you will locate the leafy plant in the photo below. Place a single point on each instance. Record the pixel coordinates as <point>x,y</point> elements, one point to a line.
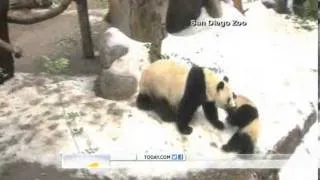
<point>57,66</point>
<point>308,9</point>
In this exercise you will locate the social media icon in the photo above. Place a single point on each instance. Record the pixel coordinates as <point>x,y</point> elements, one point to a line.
<point>180,156</point>
<point>174,157</point>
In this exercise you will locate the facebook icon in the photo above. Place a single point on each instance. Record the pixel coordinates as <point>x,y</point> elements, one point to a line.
<point>177,157</point>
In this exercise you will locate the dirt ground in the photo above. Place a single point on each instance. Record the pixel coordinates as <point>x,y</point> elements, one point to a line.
<point>55,38</point>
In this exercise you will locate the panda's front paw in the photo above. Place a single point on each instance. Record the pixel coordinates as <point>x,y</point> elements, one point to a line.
<point>186,130</point>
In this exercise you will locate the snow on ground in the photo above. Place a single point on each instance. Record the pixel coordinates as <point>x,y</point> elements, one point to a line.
<point>269,60</point>
<point>303,163</point>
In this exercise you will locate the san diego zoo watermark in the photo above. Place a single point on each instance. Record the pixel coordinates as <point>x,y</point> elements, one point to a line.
<point>221,23</point>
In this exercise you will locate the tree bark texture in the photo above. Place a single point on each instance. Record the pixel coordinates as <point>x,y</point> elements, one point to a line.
<point>87,45</point>
<point>6,59</point>
<point>29,17</point>
<point>141,20</point>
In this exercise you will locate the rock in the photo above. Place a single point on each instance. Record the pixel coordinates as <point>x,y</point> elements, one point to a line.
<point>269,3</point>
<point>113,45</point>
<point>116,85</point>
<point>122,60</point>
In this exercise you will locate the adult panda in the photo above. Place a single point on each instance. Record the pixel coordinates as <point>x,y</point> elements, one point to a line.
<point>183,89</point>
<point>246,117</point>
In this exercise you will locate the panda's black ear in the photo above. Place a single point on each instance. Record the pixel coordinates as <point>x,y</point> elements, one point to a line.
<point>226,79</point>
<point>220,86</point>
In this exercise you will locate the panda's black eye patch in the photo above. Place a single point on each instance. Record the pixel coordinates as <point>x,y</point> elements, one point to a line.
<point>229,99</point>
<point>220,86</point>
<point>226,79</point>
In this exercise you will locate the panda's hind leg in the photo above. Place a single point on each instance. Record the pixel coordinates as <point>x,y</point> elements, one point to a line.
<point>240,143</point>
<point>164,110</point>
<point>144,102</point>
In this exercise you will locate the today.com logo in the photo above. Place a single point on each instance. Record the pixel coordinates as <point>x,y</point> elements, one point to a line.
<point>173,157</point>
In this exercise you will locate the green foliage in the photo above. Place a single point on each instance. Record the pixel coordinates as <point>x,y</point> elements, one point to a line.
<point>311,9</point>
<point>308,9</point>
<point>57,66</point>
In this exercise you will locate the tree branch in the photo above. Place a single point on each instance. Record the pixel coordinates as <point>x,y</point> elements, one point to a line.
<point>30,17</point>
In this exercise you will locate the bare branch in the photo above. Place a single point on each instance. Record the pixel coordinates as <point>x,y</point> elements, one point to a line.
<point>31,17</point>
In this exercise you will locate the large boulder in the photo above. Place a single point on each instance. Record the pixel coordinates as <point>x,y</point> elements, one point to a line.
<point>115,85</point>
<point>112,46</point>
<point>122,60</point>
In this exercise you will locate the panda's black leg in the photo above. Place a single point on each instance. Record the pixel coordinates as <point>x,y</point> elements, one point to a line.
<point>187,108</point>
<point>144,102</point>
<point>193,97</point>
<point>211,113</point>
<point>184,117</point>
<point>233,143</point>
<point>239,142</point>
<point>164,110</point>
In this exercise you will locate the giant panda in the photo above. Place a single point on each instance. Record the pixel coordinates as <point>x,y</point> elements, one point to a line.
<point>183,90</point>
<point>245,116</point>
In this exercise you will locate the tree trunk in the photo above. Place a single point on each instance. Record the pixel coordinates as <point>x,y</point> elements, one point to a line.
<point>213,8</point>
<point>142,20</point>
<point>118,15</point>
<point>87,46</point>
<point>6,59</point>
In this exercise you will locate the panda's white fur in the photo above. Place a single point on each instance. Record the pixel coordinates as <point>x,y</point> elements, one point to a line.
<point>165,79</point>
<point>184,89</point>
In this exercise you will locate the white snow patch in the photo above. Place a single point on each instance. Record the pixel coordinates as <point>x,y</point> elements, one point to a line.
<point>303,164</point>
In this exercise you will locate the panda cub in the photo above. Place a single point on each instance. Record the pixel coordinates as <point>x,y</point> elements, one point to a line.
<point>246,117</point>
<point>182,89</point>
